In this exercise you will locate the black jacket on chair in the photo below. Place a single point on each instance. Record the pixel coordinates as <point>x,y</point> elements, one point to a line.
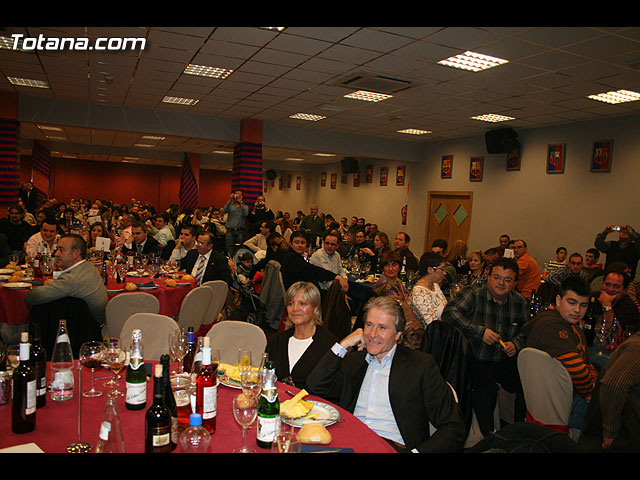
<point>217,267</point>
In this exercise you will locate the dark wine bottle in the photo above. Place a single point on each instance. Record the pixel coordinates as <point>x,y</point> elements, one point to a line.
<point>589,326</point>
<point>38,358</point>
<point>23,411</point>
<point>169,400</point>
<point>136,378</point>
<point>191,350</point>
<point>268,408</point>
<point>157,420</point>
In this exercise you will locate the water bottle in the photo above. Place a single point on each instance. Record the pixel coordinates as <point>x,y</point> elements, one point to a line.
<point>62,366</point>
<point>195,438</point>
<point>110,437</point>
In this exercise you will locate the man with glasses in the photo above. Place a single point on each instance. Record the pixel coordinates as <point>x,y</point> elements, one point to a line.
<point>529,272</point>
<point>491,315</point>
<point>328,258</point>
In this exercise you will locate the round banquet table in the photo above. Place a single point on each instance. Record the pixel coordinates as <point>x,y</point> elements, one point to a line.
<point>57,423</point>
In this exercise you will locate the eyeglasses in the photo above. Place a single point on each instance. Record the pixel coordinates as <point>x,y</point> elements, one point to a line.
<point>498,278</point>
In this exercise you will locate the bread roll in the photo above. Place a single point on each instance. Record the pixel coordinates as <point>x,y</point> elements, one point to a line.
<point>187,278</point>
<point>130,286</point>
<point>314,433</point>
<point>170,282</point>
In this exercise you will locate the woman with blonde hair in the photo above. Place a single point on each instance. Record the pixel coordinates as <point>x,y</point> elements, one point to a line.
<point>476,273</point>
<point>296,350</point>
<point>457,257</point>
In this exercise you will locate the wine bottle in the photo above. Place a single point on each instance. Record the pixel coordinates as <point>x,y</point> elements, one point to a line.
<point>23,411</point>
<point>170,400</point>
<point>402,276</point>
<point>136,378</point>
<point>187,363</point>
<point>157,419</point>
<point>62,379</point>
<point>37,259</point>
<point>38,358</point>
<point>207,390</point>
<point>268,408</point>
<point>589,326</point>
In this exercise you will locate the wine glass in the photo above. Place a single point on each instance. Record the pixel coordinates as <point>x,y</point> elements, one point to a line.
<point>602,335</point>
<point>115,359</point>
<point>13,260</point>
<point>140,268</point>
<point>245,411</point>
<point>122,269</point>
<point>13,356</point>
<point>178,346</point>
<point>285,440</point>
<point>91,357</point>
<point>251,382</point>
<point>111,272</point>
<point>47,269</point>
<point>244,361</point>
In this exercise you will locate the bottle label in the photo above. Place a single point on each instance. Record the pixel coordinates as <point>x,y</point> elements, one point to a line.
<point>136,393</point>
<point>61,378</point>
<point>209,402</point>
<point>31,398</point>
<point>267,428</point>
<point>160,438</point>
<point>64,338</point>
<point>105,428</point>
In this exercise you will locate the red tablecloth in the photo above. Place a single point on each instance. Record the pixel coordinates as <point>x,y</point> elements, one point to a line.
<point>57,423</point>
<point>14,311</point>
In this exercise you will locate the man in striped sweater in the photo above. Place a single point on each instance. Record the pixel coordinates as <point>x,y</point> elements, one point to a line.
<point>557,331</point>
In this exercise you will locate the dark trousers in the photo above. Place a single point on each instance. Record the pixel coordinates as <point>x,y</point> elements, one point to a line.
<point>485,378</point>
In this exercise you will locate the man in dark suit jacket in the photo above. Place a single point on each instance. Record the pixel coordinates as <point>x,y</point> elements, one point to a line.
<point>216,266</point>
<point>140,241</point>
<point>414,394</point>
<point>29,197</point>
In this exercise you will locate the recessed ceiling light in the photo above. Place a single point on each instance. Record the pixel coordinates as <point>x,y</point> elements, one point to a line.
<point>10,43</point>
<point>325,154</point>
<point>143,145</point>
<point>180,101</point>
<point>414,131</point>
<point>307,116</point>
<point>472,61</point>
<point>492,117</point>
<point>27,82</point>
<point>277,29</point>
<point>47,127</point>
<point>292,159</point>
<point>152,137</point>
<point>204,71</point>
<point>53,137</point>
<point>368,96</point>
<point>619,96</point>
<point>222,152</point>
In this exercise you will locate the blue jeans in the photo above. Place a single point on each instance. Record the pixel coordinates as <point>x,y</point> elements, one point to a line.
<point>579,408</point>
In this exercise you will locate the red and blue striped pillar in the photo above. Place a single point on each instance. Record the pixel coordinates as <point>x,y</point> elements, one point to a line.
<point>247,161</point>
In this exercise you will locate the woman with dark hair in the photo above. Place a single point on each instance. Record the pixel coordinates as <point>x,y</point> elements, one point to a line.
<point>389,284</point>
<point>427,300</point>
<point>380,246</point>
<point>297,350</point>
<point>96,230</point>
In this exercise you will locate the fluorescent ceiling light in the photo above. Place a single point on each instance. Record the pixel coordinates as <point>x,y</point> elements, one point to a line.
<point>619,96</point>
<point>152,137</point>
<point>204,71</point>
<point>368,96</point>
<point>472,61</point>
<point>27,82</point>
<point>292,159</point>
<point>325,154</point>
<point>143,145</point>
<point>277,29</point>
<point>47,127</point>
<point>307,116</point>
<point>53,137</point>
<point>7,43</point>
<point>414,131</point>
<point>492,117</point>
<point>222,152</point>
<point>180,101</point>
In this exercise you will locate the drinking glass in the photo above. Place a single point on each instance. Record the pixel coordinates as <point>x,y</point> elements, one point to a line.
<point>3,352</point>
<point>111,272</point>
<point>92,357</point>
<point>13,259</point>
<point>140,268</point>
<point>251,383</point>
<point>244,361</point>
<point>13,356</point>
<point>245,411</point>
<point>602,336</point>
<point>286,440</point>
<point>47,269</point>
<point>122,269</point>
<point>178,345</point>
<point>115,359</point>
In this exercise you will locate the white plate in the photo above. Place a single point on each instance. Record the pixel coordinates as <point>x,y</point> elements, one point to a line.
<point>17,285</point>
<point>182,284</point>
<point>4,278</point>
<point>147,288</point>
<point>6,271</point>
<point>136,274</point>
<point>114,290</point>
<point>327,415</point>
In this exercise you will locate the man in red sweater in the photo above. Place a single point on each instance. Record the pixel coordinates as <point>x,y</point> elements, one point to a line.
<point>529,278</point>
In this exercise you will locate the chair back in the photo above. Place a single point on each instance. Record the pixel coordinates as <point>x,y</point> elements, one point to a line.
<point>336,314</point>
<point>155,333</point>
<point>122,306</point>
<point>219,292</point>
<point>548,389</point>
<point>228,336</point>
<point>194,307</point>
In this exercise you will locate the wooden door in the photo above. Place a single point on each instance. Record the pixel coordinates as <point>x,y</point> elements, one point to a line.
<point>448,217</point>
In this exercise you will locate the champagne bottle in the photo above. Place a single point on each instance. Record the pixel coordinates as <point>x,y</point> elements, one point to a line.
<point>136,378</point>
<point>157,420</point>
<point>268,408</point>
<point>23,411</point>
<point>110,437</point>
<point>170,400</point>
<point>187,363</point>
<point>62,379</point>
<point>207,390</point>
<point>38,358</point>
<point>402,276</point>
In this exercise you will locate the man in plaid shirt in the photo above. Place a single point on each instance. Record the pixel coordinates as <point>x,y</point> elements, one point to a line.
<point>491,316</point>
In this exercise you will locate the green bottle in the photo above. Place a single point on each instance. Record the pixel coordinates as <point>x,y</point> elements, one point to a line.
<point>136,379</point>
<point>268,408</point>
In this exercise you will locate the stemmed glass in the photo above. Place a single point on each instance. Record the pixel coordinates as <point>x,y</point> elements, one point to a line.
<point>244,361</point>
<point>602,335</point>
<point>115,359</point>
<point>122,269</point>
<point>91,357</point>
<point>47,268</point>
<point>251,382</point>
<point>111,272</point>
<point>245,412</point>
<point>286,440</point>
<point>178,345</point>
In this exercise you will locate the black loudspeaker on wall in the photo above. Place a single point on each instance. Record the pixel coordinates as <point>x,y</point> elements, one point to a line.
<point>349,165</point>
<point>270,174</point>
<point>501,141</point>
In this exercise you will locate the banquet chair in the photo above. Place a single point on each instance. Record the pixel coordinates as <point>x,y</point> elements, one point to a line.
<point>219,290</point>
<point>122,306</point>
<point>548,389</point>
<point>194,308</point>
<point>155,333</point>
<point>227,337</point>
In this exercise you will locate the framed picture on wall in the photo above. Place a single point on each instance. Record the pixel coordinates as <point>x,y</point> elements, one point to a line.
<point>601,156</point>
<point>265,186</point>
<point>446,166</point>
<point>280,183</point>
<point>400,172</point>
<point>343,178</point>
<point>476,166</point>
<point>384,174</point>
<point>298,182</point>
<point>356,178</point>
<point>323,179</point>
<point>288,181</point>
<point>555,158</point>
<point>334,180</point>
<point>369,173</point>
<point>513,160</point>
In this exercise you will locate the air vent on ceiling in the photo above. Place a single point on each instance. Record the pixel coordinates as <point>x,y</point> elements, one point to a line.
<point>376,82</point>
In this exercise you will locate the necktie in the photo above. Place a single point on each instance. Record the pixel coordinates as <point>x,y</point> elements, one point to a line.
<point>200,269</point>
<point>139,249</point>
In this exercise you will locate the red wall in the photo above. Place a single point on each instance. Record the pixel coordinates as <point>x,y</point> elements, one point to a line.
<point>120,182</point>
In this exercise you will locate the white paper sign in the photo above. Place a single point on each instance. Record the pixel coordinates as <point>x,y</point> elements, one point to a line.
<point>103,244</point>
